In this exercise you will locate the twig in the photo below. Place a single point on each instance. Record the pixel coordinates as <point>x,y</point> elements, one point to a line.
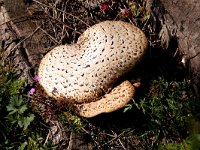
<point>24,18</point>
<point>62,12</point>
<point>49,36</point>
<point>47,138</point>
<point>25,38</point>
<point>122,144</point>
<point>64,24</point>
<point>115,136</point>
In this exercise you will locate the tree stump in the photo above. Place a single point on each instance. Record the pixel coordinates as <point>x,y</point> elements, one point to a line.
<point>24,43</point>
<point>180,20</point>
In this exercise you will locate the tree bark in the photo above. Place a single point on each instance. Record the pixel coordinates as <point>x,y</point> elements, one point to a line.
<point>181,19</point>
<point>21,39</point>
<point>24,44</point>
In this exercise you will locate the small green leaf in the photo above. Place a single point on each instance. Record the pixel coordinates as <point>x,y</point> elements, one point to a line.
<point>20,123</point>
<point>22,109</point>
<point>147,16</point>
<point>11,109</point>
<point>11,118</point>
<point>15,87</point>
<point>18,101</point>
<point>127,107</point>
<point>28,120</point>
<point>22,146</point>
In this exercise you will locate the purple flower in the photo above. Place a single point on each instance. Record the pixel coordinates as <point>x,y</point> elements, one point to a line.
<point>36,78</point>
<point>31,92</point>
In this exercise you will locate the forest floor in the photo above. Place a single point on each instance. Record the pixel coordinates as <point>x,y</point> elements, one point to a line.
<point>163,113</point>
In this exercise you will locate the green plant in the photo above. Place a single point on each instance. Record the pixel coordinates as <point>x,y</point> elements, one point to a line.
<point>167,107</point>
<point>18,112</point>
<point>20,127</point>
<point>74,122</point>
<point>36,143</point>
<point>184,145</point>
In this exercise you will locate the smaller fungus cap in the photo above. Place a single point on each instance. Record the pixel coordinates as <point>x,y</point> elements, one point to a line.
<point>110,102</point>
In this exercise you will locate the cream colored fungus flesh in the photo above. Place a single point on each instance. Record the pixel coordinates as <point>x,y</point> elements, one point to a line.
<point>83,72</point>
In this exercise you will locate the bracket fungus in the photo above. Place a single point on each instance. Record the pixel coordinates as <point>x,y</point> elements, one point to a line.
<point>85,72</point>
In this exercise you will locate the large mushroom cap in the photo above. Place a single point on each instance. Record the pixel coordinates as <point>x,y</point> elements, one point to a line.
<point>84,71</point>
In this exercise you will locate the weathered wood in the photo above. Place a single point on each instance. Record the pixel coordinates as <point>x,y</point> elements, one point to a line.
<point>181,19</point>
<point>24,43</point>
